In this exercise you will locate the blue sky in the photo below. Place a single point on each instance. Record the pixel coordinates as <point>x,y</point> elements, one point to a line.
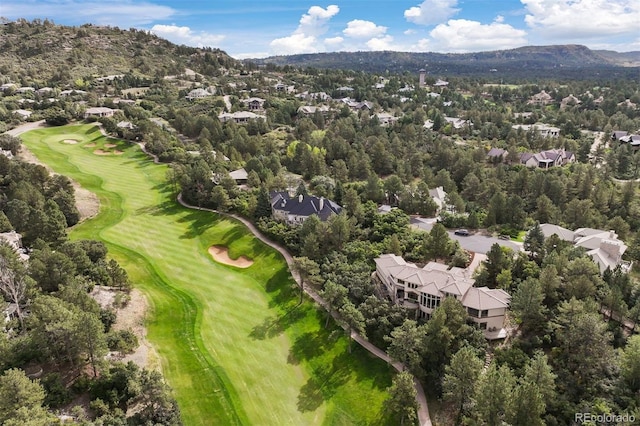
<point>255,28</point>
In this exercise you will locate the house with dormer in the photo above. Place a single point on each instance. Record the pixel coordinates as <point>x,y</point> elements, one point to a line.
<point>421,290</point>
<point>295,210</point>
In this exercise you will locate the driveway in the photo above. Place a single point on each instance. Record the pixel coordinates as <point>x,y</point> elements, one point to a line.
<point>479,243</point>
<point>476,242</point>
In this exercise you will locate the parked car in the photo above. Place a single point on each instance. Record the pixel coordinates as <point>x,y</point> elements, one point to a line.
<point>461,232</point>
<point>504,237</point>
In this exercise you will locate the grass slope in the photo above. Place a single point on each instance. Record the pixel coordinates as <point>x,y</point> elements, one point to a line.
<point>230,342</point>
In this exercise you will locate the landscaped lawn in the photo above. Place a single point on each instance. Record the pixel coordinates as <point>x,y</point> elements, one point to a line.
<point>230,341</point>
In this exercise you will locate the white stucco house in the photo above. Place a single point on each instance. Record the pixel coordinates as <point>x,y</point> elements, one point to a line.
<point>603,247</point>
<point>422,290</point>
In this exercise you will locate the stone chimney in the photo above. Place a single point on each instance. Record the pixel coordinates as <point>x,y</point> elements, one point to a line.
<point>300,198</point>
<point>612,234</point>
<point>321,205</point>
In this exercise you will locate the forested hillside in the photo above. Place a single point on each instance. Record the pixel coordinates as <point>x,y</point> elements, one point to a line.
<point>515,65</point>
<point>376,141</point>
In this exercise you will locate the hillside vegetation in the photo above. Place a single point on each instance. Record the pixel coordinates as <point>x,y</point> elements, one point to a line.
<point>42,52</point>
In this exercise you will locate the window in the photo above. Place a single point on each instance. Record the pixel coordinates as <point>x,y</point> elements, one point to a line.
<point>473,312</point>
<point>484,314</point>
<point>412,296</point>
<point>483,325</point>
<point>430,301</point>
<point>401,282</point>
<point>412,285</point>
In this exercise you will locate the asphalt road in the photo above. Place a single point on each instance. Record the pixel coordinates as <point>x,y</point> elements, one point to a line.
<point>477,243</point>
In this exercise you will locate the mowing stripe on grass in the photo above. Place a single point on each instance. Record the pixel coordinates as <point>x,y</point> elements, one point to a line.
<point>230,344</point>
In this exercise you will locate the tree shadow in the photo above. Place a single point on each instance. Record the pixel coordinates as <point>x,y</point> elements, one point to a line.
<point>323,383</point>
<point>274,325</point>
<point>309,345</point>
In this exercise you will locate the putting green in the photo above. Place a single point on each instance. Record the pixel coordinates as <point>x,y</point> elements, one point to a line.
<point>231,345</point>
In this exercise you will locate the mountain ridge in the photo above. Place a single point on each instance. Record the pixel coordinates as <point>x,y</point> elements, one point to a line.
<point>535,61</point>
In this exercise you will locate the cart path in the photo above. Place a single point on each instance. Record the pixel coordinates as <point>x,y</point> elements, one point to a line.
<point>423,409</point>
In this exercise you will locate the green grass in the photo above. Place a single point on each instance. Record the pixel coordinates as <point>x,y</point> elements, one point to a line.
<point>230,341</point>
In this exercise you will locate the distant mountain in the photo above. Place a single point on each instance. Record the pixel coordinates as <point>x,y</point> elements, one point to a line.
<point>41,50</point>
<point>570,61</point>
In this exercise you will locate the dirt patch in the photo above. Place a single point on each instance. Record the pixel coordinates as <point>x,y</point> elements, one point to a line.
<point>70,141</point>
<point>116,152</point>
<point>110,145</point>
<point>101,152</point>
<point>90,145</point>
<point>132,318</point>
<point>221,254</point>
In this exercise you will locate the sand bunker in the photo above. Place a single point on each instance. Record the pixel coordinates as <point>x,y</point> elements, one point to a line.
<point>221,254</point>
<point>70,141</point>
<point>101,152</point>
<point>90,145</point>
<point>110,145</point>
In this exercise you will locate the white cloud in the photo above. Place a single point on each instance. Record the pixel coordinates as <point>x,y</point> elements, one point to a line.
<point>363,29</point>
<point>381,43</point>
<point>580,19</point>
<point>461,35</point>
<point>333,41</point>
<point>295,43</point>
<point>121,13</point>
<point>409,32</point>
<point>314,22</point>
<point>305,38</point>
<point>431,12</point>
<point>184,35</point>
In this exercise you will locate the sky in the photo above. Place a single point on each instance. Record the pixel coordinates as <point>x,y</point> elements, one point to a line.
<point>259,28</point>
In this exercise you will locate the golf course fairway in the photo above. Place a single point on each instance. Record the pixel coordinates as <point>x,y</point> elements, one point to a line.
<point>231,343</point>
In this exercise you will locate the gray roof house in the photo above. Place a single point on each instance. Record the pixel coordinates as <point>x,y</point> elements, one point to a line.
<point>295,210</point>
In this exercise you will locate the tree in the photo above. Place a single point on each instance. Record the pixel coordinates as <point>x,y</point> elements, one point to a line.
<point>437,242</point>
<point>306,269</point>
<point>493,395</point>
<point>534,243</point>
<point>460,380</point>
<point>13,285</point>
<point>630,364</point>
<point>91,338</point>
<point>353,318</point>
<point>402,398</point>
<point>527,305</point>
<point>263,206</point>
<point>335,295</point>
<point>21,397</point>
<point>406,346</point>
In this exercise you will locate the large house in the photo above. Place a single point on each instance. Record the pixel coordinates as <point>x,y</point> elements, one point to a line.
<point>548,158</point>
<point>542,98</point>
<point>295,210</point>
<point>99,112</point>
<point>542,129</point>
<point>240,117</point>
<point>422,290</point>
<point>603,247</point>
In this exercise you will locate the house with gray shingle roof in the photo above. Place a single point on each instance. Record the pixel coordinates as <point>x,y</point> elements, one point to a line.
<point>423,289</point>
<point>295,210</point>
